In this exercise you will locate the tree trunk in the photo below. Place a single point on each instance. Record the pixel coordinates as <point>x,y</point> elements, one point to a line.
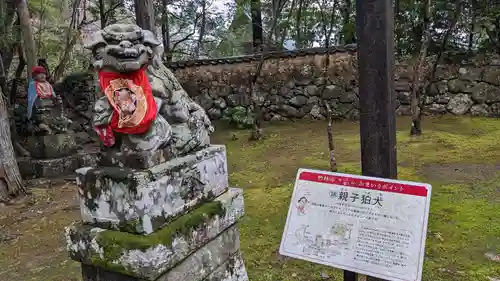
<point>327,27</point>
<point>102,14</point>
<point>444,41</point>
<point>27,34</point>
<point>8,47</point>
<point>144,15</point>
<point>3,79</point>
<point>417,119</point>
<point>257,132</point>
<point>72,35</point>
<point>472,25</point>
<point>257,32</point>
<point>284,34</point>
<point>348,35</point>
<point>329,131</point>
<point>59,71</point>
<point>276,32</point>
<point>64,9</point>
<point>167,54</point>
<point>416,114</point>
<point>7,12</point>
<point>497,35</point>
<point>298,33</point>
<point>202,29</point>
<point>18,74</point>
<point>7,55</point>
<point>11,183</point>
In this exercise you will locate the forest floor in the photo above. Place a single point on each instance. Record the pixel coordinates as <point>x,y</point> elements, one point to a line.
<point>460,157</point>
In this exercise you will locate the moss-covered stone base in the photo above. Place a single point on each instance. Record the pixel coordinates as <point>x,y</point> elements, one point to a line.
<point>143,201</point>
<point>219,258</point>
<point>152,255</point>
<point>231,270</point>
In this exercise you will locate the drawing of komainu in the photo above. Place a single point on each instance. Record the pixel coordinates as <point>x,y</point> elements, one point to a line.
<point>330,243</point>
<point>143,106</point>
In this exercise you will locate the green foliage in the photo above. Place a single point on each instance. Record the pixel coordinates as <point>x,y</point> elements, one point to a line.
<point>239,116</point>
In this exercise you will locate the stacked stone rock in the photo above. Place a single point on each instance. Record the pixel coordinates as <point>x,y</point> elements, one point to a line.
<point>466,89</point>
<point>148,218</point>
<point>53,156</point>
<point>292,86</point>
<point>79,93</point>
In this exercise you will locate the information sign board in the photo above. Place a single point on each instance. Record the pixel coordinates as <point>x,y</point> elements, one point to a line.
<point>367,225</point>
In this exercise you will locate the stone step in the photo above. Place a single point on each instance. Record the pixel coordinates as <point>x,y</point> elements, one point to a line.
<point>232,270</point>
<point>207,259</point>
<point>55,167</point>
<point>51,146</point>
<point>142,201</point>
<point>218,259</point>
<point>150,256</point>
<point>134,159</point>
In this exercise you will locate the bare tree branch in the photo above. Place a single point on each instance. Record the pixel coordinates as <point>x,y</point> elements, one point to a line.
<point>188,35</point>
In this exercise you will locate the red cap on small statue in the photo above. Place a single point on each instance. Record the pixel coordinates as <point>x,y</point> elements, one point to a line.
<point>38,69</point>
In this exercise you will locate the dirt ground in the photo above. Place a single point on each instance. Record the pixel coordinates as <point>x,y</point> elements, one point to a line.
<point>31,241</point>
<point>460,157</point>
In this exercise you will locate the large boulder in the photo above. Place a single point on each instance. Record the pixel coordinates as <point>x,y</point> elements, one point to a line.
<point>460,104</point>
<point>485,93</point>
<point>479,110</point>
<point>492,75</point>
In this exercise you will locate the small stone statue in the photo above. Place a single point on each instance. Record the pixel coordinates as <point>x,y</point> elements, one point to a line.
<point>44,106</point>
<point>143,106</point>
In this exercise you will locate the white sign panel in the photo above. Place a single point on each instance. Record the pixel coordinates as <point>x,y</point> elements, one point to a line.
<point>362,224</point>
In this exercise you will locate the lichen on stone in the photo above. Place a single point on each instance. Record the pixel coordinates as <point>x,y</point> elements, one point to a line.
<point>156,195</point>
<point>99,180</point>
<point>120,248</point>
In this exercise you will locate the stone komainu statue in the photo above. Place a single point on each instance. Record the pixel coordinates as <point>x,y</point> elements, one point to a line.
<point>143,107</point>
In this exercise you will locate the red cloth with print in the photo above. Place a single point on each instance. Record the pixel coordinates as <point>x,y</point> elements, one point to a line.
<point>140,79</point>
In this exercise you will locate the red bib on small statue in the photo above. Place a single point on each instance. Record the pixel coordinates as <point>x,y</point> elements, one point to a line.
<point>131,97</point>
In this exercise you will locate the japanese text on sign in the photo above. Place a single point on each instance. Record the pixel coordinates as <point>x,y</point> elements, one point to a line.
<point>367,225</point>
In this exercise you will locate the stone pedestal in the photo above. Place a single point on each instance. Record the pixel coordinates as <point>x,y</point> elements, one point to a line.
<point>51,146</point>
<point>172,221</point>
<point>53,156</point>
<point>56,167</point>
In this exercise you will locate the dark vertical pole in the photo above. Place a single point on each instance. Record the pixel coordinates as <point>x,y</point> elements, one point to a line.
<point>349,276</point>
<point>375,29</point>
<point>375,33</point>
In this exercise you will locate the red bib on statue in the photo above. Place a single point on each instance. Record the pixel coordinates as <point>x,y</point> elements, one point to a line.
<point>130,95</point>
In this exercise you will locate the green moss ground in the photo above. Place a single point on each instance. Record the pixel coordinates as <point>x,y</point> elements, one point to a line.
<point>460,157</point>
<point>452,155</point>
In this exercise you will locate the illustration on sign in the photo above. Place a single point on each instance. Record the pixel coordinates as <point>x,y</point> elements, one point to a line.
<point>301,205</point>
<point>367,225</point>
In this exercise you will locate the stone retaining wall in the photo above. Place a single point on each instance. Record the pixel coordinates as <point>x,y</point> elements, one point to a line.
<point>291,82</point>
